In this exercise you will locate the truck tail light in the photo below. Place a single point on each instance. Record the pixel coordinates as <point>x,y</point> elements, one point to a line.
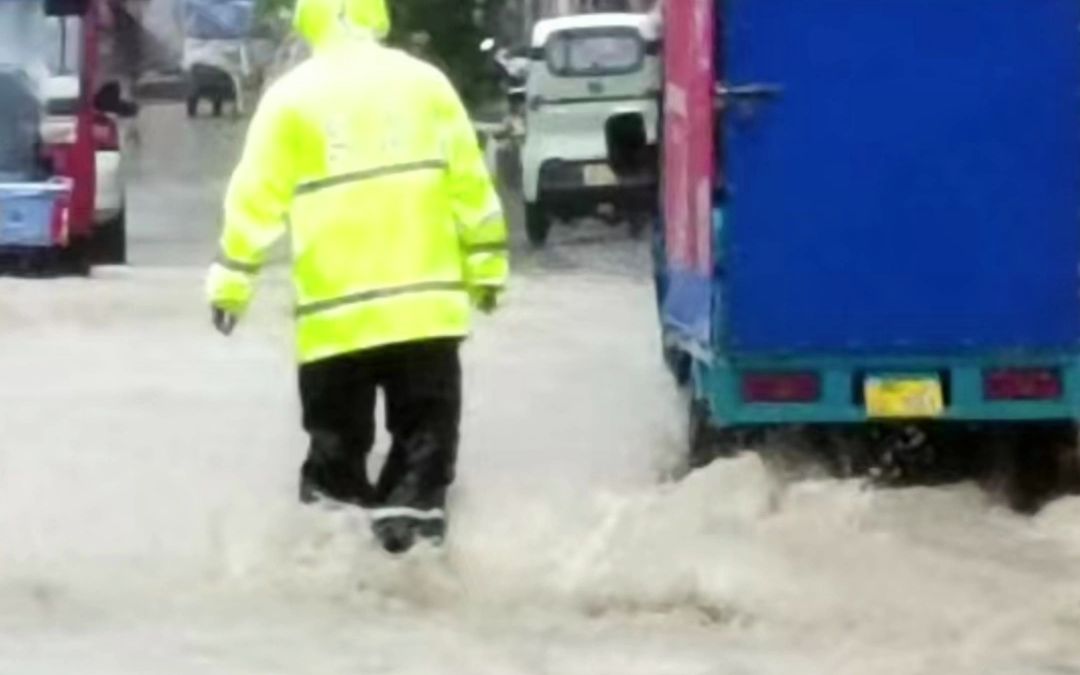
<point>106,133</point>
<point>61,212</point>
<point>793,387</point>
<point>60,222</point>
<point>1023,384</point>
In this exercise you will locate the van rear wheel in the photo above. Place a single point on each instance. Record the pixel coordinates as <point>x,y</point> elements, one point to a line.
<point>639,222</point>
<point>537,224</point>
<point>108,245</point>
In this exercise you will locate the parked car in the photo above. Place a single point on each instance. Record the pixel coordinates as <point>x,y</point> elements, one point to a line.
<point>592,77</point>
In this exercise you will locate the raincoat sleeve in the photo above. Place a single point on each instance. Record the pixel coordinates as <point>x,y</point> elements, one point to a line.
<point>476,204</point>
<point>256,204</point>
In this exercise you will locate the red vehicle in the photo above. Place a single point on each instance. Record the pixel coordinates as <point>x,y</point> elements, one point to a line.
<point>49,59</point>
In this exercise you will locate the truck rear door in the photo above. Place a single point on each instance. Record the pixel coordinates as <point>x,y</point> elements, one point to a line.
<point>903,176</point>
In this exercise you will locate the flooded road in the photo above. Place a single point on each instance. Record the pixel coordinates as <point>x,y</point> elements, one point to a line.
<point>148,522</point>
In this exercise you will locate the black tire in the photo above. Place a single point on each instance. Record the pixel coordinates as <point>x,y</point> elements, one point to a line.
<point>1034,463</point>
<point>679,364</point>
<point>639,223</point>
<point>74,259</point>
<point>193,106</point>
<point>537,225</point>
<point>708,443</point>
<point>109,244</point>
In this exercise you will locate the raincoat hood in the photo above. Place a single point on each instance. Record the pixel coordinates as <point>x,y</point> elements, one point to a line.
<point>319,21</point>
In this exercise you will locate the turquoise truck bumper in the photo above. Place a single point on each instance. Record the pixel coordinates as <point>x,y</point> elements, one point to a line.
<point>838,395</point>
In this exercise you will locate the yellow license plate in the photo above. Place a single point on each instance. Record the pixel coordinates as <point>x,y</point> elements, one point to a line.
<point>904,397</point>
<point>599,175</point>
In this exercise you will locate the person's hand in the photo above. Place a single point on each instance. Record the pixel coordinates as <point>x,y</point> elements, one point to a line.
<point>224,321</point>
<point>486,299</point>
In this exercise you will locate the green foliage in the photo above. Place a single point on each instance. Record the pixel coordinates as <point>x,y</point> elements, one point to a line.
<point>455,28</point>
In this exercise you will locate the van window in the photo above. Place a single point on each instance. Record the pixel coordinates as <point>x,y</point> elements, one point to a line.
<point>595,52</point>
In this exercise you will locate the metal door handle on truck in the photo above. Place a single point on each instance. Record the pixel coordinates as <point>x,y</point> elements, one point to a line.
<point>755,91</point>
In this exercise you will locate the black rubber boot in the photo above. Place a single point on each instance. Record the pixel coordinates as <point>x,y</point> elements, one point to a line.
<point>396,535</point>
<point>399,535</point>
<point>330,474</point>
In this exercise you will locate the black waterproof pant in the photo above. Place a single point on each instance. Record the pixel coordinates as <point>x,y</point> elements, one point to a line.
<point>421,384</point>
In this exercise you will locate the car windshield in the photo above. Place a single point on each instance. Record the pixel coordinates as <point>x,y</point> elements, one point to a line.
<point>595,52</point>
<point>36,44</point>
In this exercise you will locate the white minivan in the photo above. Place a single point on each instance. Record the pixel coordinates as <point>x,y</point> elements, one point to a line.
<point>592,77</point>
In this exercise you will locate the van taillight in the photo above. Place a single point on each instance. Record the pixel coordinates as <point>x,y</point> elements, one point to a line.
<point>106,133</point>
<point>1022,384</point>
<point>797,387</point>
